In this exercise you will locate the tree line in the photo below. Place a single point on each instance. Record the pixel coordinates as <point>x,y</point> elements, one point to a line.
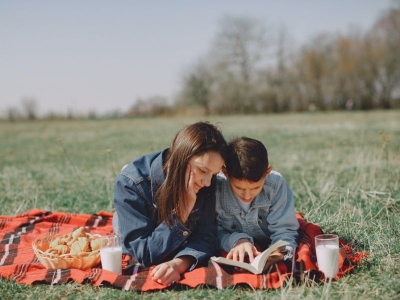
<point>252,69</point>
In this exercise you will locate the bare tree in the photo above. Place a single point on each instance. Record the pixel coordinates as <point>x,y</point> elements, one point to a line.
<point>197,86</point>
<point>281,87</point>
<point>13,114</point>
<point>349,75</point>
<point>315,64</point>
<point>240,48</point>
<point>29,105</point>
<point>154,105</point>
<point>385,40</point>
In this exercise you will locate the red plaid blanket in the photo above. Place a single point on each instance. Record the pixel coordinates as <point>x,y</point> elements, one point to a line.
<point>19,263</point>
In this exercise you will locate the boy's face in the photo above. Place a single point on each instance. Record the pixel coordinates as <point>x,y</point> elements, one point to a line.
<point>244,189</point>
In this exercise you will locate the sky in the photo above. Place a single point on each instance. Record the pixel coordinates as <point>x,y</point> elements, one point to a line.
<point>100,55</point>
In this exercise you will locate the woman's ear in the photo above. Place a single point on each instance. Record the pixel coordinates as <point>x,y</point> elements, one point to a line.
<point>225,171</point>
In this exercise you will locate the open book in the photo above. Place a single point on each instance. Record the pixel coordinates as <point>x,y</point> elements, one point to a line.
<point>258,263</point>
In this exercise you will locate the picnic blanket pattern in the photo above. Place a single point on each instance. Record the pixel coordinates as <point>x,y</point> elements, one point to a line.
<point>19,263</point>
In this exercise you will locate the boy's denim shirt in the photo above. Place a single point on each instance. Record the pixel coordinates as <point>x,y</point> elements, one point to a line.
<point>136,215</point>
<point>271,216</point>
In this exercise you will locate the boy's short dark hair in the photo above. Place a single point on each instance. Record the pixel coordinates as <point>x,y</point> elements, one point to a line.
<point>247,159</point>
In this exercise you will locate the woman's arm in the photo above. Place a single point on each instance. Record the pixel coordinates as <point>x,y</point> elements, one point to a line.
<point>150,243</point>
<point>170,271</point>
<point>201,243</point>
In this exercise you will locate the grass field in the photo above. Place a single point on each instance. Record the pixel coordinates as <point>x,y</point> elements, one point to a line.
<point>344,170</point>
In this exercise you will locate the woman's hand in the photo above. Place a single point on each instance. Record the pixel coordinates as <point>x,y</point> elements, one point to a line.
<point>190,200</point>
<point>243,247</point>
<point>170,271</point>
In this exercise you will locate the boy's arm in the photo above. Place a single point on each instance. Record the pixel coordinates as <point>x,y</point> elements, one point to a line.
<point>282,220</point>
<point>227,240</point>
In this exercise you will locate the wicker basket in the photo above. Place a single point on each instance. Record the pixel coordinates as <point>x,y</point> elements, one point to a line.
<point>82,260</point>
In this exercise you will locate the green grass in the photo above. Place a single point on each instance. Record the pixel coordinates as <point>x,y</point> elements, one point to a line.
<point>344,169</point>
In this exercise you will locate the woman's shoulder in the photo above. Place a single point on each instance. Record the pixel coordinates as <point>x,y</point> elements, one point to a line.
<point>221,176</point>
<point>141,167</point>
<point>221,180</point>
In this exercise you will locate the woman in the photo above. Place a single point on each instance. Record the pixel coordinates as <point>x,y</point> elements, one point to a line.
<point>165,203</point>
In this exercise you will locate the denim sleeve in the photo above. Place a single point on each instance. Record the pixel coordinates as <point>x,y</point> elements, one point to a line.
<point>282,220</point>
<point>227,240</point>
<point>202,240</point>
<point>150,243</point>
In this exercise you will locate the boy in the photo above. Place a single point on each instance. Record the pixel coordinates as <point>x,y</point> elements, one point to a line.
<point>255,205</point>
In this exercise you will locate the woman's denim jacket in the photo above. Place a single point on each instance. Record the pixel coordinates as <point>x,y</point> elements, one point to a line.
<point>271,216</point>
<point>136,215</point>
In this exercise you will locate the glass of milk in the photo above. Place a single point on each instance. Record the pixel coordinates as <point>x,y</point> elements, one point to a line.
<point>111,253</point>
<point>327,248</point>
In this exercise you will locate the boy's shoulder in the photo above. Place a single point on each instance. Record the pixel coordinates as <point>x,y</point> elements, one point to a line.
<point>274,175</point>
<point>274,179</point>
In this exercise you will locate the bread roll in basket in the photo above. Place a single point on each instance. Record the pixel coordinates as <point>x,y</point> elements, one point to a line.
<point>76,250</point>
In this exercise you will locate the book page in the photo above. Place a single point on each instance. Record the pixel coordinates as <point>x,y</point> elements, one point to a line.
<point>257,259</point>
<point>260,260</point>
<point>230,262</point>
<point>258,263</point>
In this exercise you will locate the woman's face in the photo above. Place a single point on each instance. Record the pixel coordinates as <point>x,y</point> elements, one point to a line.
<point>204,167</point>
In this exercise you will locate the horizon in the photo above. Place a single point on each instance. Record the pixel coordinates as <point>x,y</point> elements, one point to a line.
<point>100,56</point>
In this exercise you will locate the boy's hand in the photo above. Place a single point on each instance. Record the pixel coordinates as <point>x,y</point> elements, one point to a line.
<point>274,258</point>
<point>242,249</point>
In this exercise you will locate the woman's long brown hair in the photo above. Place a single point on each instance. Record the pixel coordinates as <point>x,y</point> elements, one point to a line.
<point>194,139</point>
